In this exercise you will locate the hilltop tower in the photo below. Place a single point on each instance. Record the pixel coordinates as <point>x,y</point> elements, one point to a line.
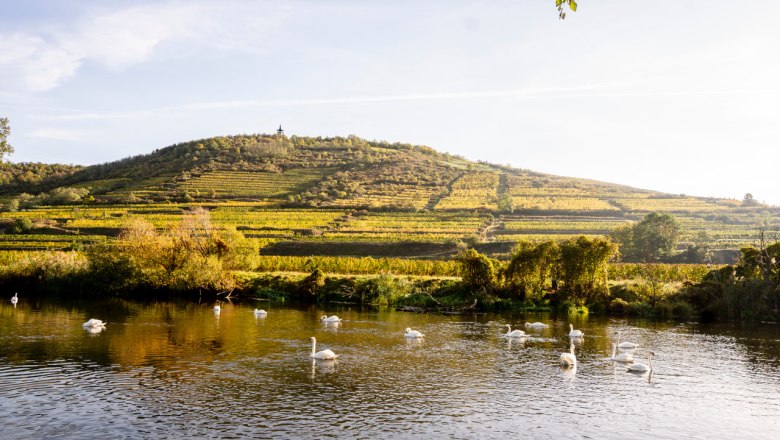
<point>280,132</point>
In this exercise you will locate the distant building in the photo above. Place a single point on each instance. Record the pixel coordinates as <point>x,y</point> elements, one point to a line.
<point>280,132</point>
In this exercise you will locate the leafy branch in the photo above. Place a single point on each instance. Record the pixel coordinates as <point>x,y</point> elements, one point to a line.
<point>559,4</point>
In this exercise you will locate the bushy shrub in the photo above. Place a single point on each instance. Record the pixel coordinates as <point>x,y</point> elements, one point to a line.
<point>189,256</point>
<point>382,290</point>
<point>21,226</point>
<point>310,286</point>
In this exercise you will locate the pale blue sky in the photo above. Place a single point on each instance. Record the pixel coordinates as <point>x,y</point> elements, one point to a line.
<point>667,95</point>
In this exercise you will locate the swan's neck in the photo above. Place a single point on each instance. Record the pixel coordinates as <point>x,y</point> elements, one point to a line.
<point>313,347</point>
<point>650,361</point>
<point>614,350</point>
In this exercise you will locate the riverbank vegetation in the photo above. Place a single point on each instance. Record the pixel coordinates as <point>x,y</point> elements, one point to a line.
<point>575,275</point>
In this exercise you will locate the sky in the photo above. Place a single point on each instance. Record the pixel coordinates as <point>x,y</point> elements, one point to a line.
<point>673,96</point>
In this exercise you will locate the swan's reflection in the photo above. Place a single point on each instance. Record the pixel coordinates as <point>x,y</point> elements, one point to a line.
<point>519,342</point>
<point>326,366</point>
<point>331,326</point>
<point>569,373</point>
<point>95,330</point>
<point>414,342</point>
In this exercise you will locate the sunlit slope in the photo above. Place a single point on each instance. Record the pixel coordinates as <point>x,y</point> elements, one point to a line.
<point>354,173</point>
<point>296,195</point>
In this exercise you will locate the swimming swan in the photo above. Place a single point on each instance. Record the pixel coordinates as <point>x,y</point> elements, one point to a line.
<point>625,345</point>
<point>332,318</point>
<point>260,313</point>
<point>642,368</point>
<point>513,333</point>
<point>622,357</point>
<point>536,325</point>
<point>324,354</point>
<point>409,333</point>
<point>15,298</point>
<point>575,333</point>
<point>569,359</point>
<point>92,323</point>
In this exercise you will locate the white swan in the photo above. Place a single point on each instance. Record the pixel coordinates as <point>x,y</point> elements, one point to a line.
<point>15,298</point>
<point>92,323</point>
<point>625,345</point>
<point>513,333</point>
<point>536,325</point>
<point>332,318</point>
<point>409,333</point>
<point>575,333</point>
<point>324,354</point>
<point>622,357</point>
<point>260,313</point>
<point>642,368</point>
<point>569,359</point>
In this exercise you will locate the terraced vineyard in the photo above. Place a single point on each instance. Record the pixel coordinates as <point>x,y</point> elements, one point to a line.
<point>478,190</point>
<point>252,185</point>
<point>15,242</point>
<point>673,204</point>
<point>561,227</point>
<point>389,195</point>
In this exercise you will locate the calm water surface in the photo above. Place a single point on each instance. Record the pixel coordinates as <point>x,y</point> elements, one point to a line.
<point>173,370</point>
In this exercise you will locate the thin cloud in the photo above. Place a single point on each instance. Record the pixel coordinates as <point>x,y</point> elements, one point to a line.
<point>59,134</point>
<point>116,39</point>
<point>598,90</point>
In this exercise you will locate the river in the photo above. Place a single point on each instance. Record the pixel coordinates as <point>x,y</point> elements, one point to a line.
<point>172,369</point>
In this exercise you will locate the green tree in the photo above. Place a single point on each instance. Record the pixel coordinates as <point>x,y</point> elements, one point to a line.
<point>506,203</point>
<point>478,271</point>
<point>531,266</point>
<point>5,131</point>
<point>653,238</point>
<point>583,267</point>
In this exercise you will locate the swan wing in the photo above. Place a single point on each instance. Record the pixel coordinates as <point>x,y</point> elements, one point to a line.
<point>325,354</point>
<point>568,359</point>
<point>638,367</point>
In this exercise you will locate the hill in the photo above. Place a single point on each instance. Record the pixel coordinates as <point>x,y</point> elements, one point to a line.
<point>350,190</point>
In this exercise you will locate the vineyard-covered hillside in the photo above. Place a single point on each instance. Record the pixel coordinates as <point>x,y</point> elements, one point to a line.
<point>345,195</point>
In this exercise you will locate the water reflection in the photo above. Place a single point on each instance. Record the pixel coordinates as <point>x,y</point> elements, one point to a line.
<point>412,343</point>
<point>94,330</point>
<point>569,373</point>
<point>517,342</point>
<point>325,366</point>
<point>170,369</point>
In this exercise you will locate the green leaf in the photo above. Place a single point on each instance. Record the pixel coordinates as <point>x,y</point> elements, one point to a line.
<point>558,2</point>
<point>573,5</point>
